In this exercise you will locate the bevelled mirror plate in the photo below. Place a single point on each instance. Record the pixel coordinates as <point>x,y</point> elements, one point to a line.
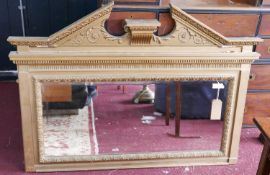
<point>128,120</point>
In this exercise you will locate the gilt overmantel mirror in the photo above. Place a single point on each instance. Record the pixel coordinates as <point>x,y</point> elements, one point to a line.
<point>91,100</point>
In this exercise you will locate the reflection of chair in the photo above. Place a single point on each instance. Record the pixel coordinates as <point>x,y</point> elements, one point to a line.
<point>196,98</point>
<point>264,126</point>
<point>146,95</point>
<point>186,100</point>
<point>123,88</point>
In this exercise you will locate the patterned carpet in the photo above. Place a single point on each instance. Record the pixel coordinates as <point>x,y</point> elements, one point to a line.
<point>68,134</point>
<point>11,159</point>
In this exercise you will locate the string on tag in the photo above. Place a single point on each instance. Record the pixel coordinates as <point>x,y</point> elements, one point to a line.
<point>218,90</point>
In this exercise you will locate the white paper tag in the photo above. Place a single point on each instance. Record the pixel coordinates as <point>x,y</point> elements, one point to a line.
<point>144,117</point>
<point>217,86</point>
<point>216,109</point>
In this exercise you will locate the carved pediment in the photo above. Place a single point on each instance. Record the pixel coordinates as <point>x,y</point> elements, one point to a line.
<point>91,31</point>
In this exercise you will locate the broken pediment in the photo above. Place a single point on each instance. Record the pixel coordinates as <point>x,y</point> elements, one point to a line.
<point>91,31</point>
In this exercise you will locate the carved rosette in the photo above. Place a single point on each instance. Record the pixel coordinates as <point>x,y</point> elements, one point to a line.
<point>93,34</point>
<point>183,35</point>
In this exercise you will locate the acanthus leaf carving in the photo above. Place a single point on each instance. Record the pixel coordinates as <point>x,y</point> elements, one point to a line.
<point>78,39</point>
<point>182,35</point>
<point>161,39</point>
<point>93,35</point>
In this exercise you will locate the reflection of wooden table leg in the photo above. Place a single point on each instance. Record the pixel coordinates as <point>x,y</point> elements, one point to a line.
<point>168,103</point>
<point>264,165</point>
<point>124,89</point>
<point>178,108</point>
<point>263,124</point>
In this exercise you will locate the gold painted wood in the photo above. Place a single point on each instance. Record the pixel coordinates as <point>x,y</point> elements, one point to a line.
<point>85,52</point>
<point>141,31</point>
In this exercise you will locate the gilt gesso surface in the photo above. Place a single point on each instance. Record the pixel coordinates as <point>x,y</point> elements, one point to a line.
<point>85,53</point>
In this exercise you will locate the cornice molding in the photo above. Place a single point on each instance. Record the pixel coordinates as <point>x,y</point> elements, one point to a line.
<point>123,62</point>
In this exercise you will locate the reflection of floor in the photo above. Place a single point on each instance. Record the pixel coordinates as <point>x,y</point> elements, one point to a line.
<point>120,130</point>
<point>68,134</point>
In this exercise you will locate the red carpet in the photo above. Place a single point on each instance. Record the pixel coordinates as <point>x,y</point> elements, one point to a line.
<point>119,126</point>
<point>11,155</point>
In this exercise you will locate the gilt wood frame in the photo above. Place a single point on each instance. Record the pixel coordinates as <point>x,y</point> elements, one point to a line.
<point>85,51</point>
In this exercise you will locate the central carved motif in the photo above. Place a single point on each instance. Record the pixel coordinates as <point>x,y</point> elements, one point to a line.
<point>141,31</point>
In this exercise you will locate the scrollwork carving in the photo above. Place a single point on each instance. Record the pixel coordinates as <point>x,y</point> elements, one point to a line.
<point>184,35</point>
<point>161,39</point>
<point>94,34</point>
<point>77,40</point>
<point>198,40</point>
<point>187,35</point>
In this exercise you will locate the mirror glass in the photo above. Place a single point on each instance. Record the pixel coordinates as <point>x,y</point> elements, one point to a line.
<point>134,117</point>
